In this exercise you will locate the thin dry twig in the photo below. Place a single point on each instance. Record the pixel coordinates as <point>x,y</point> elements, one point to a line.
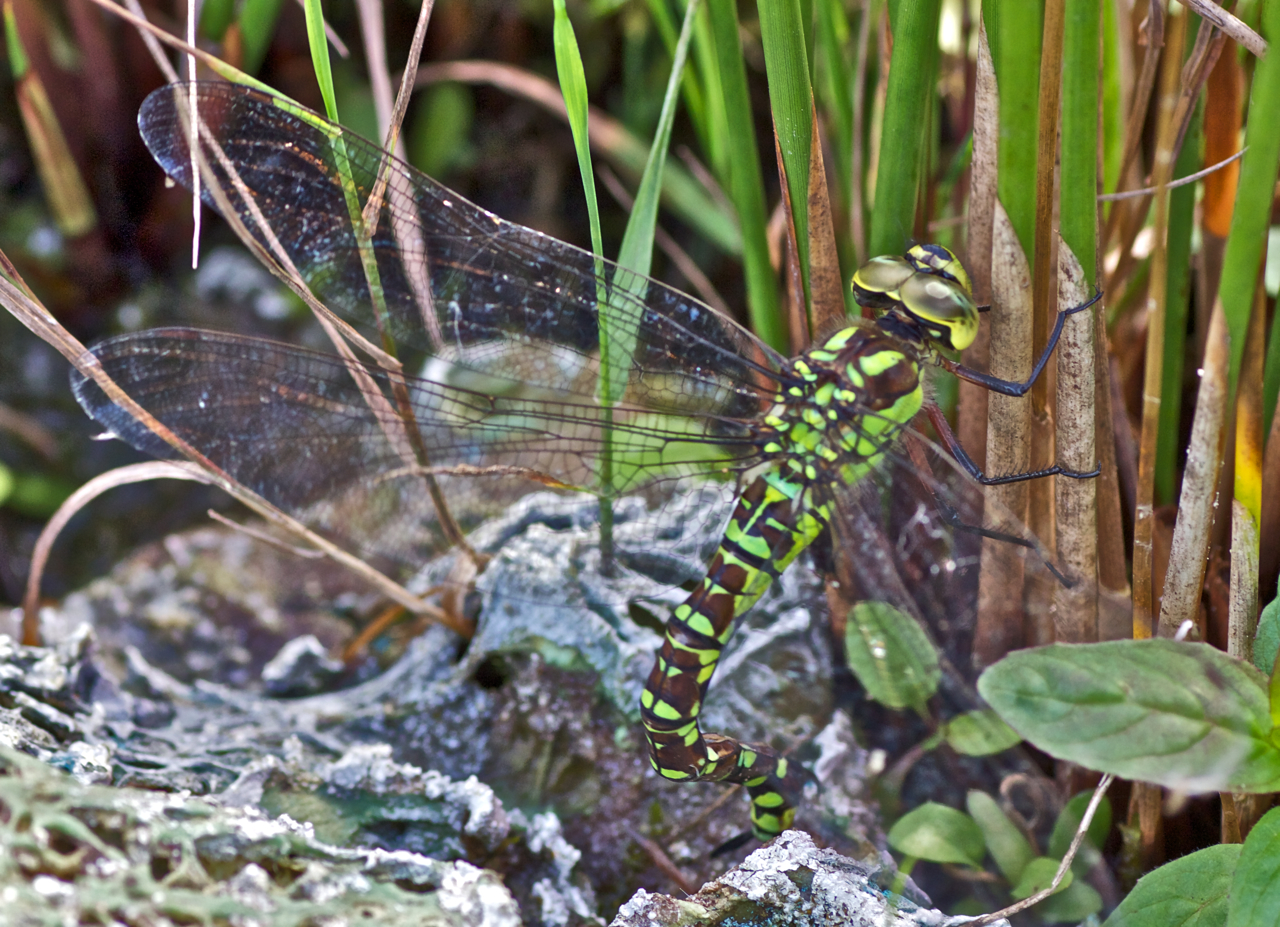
<point>1228,24</point>
<point>307,553</point>
<point>1172,185</point>
<point>1063,866</point>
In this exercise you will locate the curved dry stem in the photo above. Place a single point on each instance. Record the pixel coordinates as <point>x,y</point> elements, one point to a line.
<point>121,476</point>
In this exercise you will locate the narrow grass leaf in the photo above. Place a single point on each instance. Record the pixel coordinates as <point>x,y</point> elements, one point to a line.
<point>573,85</point>
<point>906,115</point>
<point>1258,169</point>
<point>782,28</point>
<point>1005,842</point>
<point>257,22</point>
<point>319,45</point>
<point>746,182</point>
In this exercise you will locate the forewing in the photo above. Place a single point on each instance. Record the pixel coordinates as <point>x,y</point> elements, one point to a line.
<point>456,281</point>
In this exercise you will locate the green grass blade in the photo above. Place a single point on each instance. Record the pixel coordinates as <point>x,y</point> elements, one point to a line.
<point>573,85</point>
<point>746,182</point>
<point>715,138</point>
<point>1182,207</point>
<point>1017,62</point>
<point>257,26</point>
<point>319,45</point>
<point>636,253</point>
<point>1248,236</point>
<point>835,87</point>
<point>782,28</point>
<point>1112,101</point>
<point>906,114</point>
<point>1078,177</point>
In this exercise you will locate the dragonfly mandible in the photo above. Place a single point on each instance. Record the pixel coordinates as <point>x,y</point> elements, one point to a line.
<point>515,392</point>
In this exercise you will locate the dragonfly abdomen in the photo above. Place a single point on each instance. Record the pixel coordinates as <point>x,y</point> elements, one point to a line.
<point>773,522</point>
<point>847,400</point>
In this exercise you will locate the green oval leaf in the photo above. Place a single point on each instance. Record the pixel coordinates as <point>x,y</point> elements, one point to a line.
<point>939,834</point>
<point>1266,643</point>
<point>1007,845</point>
<point>891,655</point>
<point>1188,892</point>
<point>1064,830</point>
<point>1038,875</point>
<point>1185,716</point>
<point>1255,890</point>
<point>979,733</point>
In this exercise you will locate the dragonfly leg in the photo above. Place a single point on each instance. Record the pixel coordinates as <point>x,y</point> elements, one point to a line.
<point>943,427</point>
<point>948,511</point>
<point>1013,387</point>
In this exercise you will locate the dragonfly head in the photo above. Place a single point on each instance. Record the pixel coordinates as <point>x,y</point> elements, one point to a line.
<point>928,290</point>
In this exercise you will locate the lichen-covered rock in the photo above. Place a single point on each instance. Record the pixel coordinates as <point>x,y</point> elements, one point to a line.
<point>74,854</point>
<point>199,676</point>
<point>789,883</point>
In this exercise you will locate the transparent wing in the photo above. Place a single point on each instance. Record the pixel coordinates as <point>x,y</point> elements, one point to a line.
<point>438,273</point>
<point>918,535</point>
<point>308,432</point>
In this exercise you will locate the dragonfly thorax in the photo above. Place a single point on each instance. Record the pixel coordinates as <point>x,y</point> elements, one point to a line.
<point>844,401</point>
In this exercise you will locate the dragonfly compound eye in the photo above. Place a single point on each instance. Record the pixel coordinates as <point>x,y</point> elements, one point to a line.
<point>877,282</point>
<point>940,262</point>
<point>944,307</point>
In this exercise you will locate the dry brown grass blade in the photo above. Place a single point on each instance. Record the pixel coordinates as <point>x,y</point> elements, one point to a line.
<point>1138,104</point>
<point>798,328</point>
<point>971,416</point>
<point>1128,221</point>
<point>1246,507</point>
<point>826,293</point>
<point>1269,523</point>
<point>1143,521</point>
<point>121,476</point>
<point>1076,608</point>
<point>1187,556</point>
<point>1000,613</point>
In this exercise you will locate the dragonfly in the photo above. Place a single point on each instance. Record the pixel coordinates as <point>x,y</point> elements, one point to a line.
<point>542,367</point>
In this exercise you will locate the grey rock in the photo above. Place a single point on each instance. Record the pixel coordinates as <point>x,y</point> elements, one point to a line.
<point>302,667</point>
<point>789,883</point>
